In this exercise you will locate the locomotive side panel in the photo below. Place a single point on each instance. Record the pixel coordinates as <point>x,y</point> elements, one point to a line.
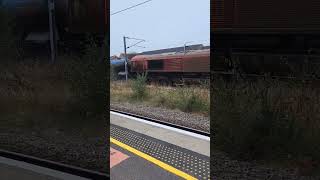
<point>173,65</point>
<point>138,64</point>
<point>264,16</point>
<point>164,65</point>
<point>199,64</point>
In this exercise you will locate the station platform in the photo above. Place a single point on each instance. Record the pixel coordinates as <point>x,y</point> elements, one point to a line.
<point>17,170</point>
<point>144,150</point>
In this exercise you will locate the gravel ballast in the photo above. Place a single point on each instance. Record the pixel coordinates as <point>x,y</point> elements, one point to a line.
<point>223,167</point>
<point>56,145</point>
<point>172,116</point>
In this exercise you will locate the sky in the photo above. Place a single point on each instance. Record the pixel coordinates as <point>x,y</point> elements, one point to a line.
<point>161,23</point>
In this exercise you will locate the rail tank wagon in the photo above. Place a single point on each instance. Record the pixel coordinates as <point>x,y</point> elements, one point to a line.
<point>118,65</point>
<point>72,16</point>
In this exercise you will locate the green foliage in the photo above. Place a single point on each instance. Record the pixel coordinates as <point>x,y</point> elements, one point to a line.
<point>188,100</point>
<point>139,86</point>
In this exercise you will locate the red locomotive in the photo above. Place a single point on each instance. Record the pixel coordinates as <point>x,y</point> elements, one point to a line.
<point>174,67</point>
<point>280,38</point>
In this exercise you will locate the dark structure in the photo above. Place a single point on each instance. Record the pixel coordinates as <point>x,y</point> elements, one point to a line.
<point>74,20</point>
<point>281,38</point>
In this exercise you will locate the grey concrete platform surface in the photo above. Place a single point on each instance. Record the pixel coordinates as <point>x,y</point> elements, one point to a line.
<point>17,170</point>
<point>137,168</point>
<point>196,143</point>
<point>187,153</point>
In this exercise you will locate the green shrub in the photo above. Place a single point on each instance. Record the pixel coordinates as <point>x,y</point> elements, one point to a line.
<point>139,86</point>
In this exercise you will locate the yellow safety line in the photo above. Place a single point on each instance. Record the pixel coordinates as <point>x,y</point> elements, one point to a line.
<point>153,160</point>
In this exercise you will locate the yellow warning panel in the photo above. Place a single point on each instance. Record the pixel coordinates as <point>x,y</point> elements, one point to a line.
<point>152,159</point>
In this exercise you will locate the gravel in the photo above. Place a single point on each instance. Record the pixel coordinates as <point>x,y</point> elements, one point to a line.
<point>223,167</point>
<point>56,145</point>
<point>173,116</point>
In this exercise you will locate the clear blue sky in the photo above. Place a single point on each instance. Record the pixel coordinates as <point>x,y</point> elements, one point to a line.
<point>162,23</point>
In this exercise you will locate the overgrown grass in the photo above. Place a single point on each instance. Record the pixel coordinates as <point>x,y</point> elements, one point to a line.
<point>88,79</point>
<point>38,93</point>
<point>187,99</point>
<point>267,119</point>
<point>72,93</point>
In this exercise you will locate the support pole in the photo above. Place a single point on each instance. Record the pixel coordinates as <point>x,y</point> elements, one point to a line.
<point>52,30</point>
<point>125,57</point>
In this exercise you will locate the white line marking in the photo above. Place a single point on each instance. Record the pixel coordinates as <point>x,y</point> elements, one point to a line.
<point>163,126</point>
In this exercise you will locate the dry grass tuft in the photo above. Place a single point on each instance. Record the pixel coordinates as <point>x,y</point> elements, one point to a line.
<point>267,119</point>
<point>34,95</point>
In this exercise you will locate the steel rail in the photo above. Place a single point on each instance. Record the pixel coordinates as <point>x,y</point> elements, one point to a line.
<point>85,173</point>
<point>196,131</point>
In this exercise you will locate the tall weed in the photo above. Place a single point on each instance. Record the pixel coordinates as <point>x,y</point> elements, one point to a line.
<point>139,86</point>
<point>188,100</point>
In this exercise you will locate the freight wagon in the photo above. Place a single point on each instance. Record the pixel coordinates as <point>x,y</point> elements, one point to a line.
<point>259,37</point>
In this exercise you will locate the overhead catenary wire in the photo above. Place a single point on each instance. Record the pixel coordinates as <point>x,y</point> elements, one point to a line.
<point>135,43</point>
<point>140,46</point>
<point>129,7</point>
<point>135,39</point>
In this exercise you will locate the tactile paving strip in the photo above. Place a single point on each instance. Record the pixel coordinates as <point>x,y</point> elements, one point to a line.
<point>185,160</point>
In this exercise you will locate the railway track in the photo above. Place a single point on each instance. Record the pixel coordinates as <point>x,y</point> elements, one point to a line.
<point>188,129</point>
<point>85,173</point>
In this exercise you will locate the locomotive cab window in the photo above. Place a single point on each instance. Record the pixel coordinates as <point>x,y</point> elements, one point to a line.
<point>155,65</point>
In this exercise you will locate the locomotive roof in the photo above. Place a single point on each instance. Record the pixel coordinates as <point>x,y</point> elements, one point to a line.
<point>173,50</point>
<point>192,53</point>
